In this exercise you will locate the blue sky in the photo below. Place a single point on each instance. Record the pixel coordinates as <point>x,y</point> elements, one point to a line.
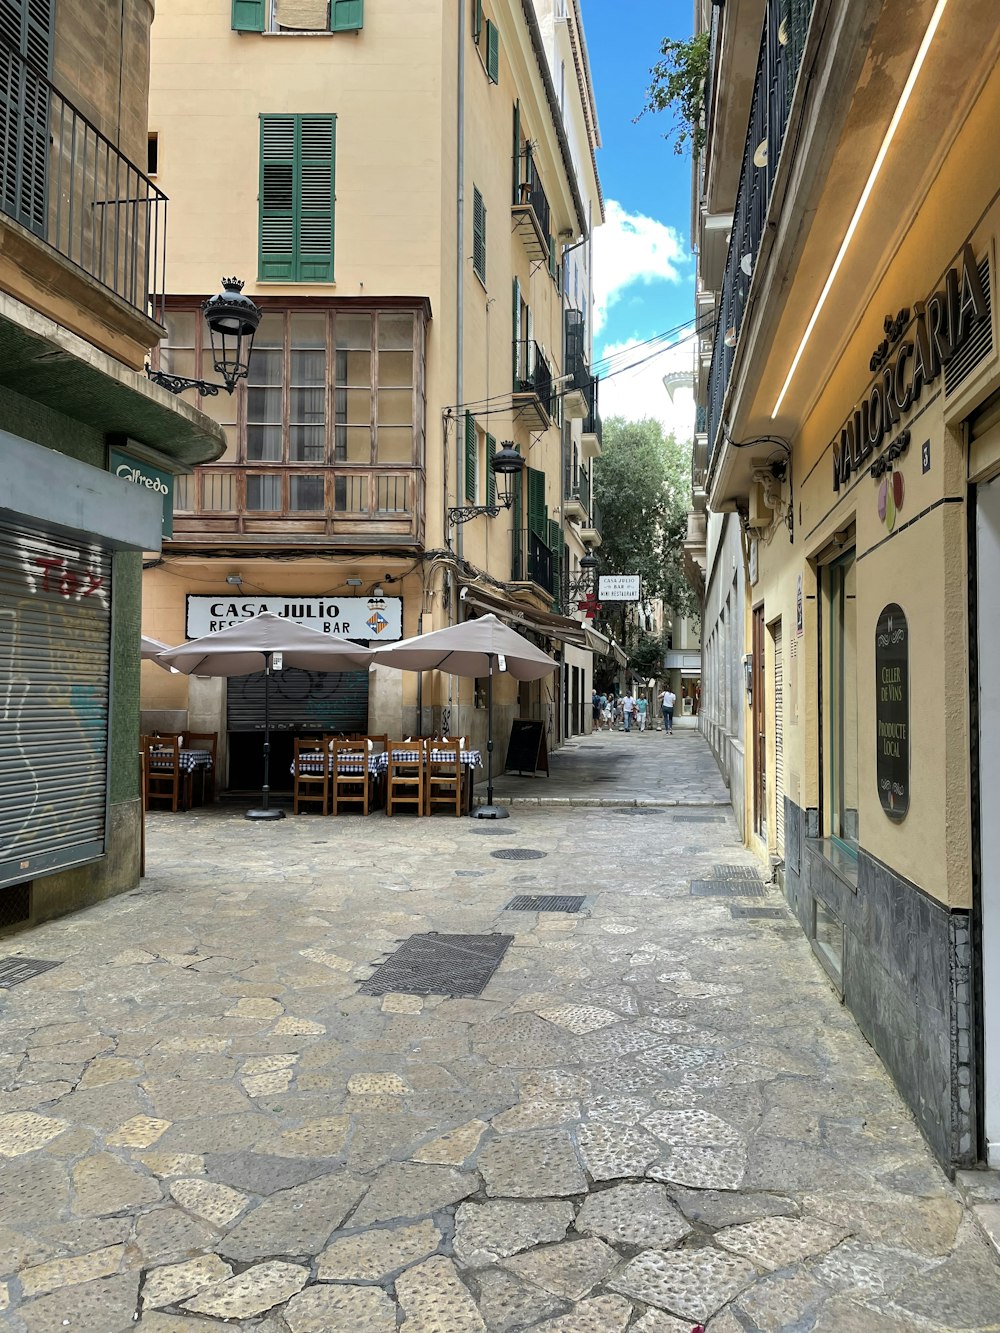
<point>644,273</point>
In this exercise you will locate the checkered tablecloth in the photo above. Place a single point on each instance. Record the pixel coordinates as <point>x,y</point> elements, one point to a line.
<point>470,758</point>
<point>189,759</point>
<point>313,763</point>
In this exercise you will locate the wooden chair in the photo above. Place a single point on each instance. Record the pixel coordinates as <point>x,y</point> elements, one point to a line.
<point>351,775</point>
<point>444,776</point>
<point>311,784</point>
<point>205,740</point>
<point>406,776</point>
<point>163,770</point>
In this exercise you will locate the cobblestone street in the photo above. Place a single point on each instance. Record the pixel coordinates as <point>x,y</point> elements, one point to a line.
<point>655,1114</point>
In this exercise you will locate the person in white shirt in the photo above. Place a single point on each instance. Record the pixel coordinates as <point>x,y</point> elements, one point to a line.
<point>628,708</point>
<point>667,701</point>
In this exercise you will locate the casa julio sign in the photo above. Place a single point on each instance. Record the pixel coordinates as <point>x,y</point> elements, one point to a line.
<point>373,619</point>
<point>905,366</point>
<point>618,588</point>
<point>892,711</point>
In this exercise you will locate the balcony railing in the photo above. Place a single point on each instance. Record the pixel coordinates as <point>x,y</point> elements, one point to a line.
<point>575,361</point>
<point>532,382</point>
<point>532,560</point>
<point>592,421</point>
<point>68,184</point>
<point>530,210</point>
<point>782,41</point>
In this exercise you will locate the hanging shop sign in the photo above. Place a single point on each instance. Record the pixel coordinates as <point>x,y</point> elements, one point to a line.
<point>368,618</point>
<point>139,473</point>
<point>904,368</point>
<point>618,588</point>
<point>892,711</point>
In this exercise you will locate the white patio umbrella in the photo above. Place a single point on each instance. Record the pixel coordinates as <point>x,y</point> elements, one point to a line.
<point>151,649</point>
<point>251,646</point>
<point>474,648</point>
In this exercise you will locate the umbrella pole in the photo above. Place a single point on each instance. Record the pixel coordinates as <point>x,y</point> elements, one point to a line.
<point>489,810</point>
<point>265,811</point>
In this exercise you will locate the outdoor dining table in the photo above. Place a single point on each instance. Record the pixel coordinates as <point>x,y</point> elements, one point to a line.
<point>378,764</point>
<point>312,762</point>
<point>189,762</point>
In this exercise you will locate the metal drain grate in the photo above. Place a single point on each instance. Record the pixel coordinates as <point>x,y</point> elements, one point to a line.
<point>727,888</point>
<point>517,854</point>
<point>15,970</point>
<point>637,810</point>
<point>736,872</point>
<point>435,964</point>
<point>700,819</point>
<point>756,913</point>
<point>526,902</point>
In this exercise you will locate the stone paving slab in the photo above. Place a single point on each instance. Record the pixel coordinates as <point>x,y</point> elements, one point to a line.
<point>654,1115</point>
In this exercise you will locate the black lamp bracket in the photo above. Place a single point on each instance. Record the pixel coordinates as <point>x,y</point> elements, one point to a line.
<point>179,383</point>
<point>464,513</point>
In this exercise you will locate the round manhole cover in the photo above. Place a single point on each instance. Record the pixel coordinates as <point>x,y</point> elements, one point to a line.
<point>637,810</point>
<point>492,828</point>
<point>517,854</point>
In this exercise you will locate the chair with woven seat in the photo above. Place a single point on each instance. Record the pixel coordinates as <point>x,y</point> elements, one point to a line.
<point>311,763</point>
<point>163,770</point>
<point>404,785</point>
<point>351,777</point>
<point>444,776</point>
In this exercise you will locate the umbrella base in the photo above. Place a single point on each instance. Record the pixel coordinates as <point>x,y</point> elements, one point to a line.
<point>270,813</point>
<point>490,812</point>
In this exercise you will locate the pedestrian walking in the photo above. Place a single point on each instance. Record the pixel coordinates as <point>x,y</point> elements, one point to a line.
<point>642,704</point>
<point>628,708</point>
<point>595,710</point>
<point>667,701</point>
<point>604,712</point>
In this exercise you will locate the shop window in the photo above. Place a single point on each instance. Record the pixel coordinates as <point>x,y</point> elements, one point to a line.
<point>828,941</point>
<point>840,701</point>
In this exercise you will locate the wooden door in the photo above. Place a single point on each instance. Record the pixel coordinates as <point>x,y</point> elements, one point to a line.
<point>757,722</point>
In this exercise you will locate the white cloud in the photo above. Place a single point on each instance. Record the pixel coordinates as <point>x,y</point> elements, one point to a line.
<point>632,248</point>
<point>640,392</point>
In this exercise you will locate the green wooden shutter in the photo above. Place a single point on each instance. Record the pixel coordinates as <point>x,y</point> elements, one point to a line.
<point>537,514</point>
<point>517,334</point>
<point>492,51</point>
<point>26,27</point>
<point>552,258</point>
<point>248,15</point>
<point>470,458</point>
<point>346,15</point>
<point>317,152</point>
<point>297,159</point>
<point>515,196</point>
<point>555,543</point>
<point>491,475</point>
<point>517,554</point>
<point>478,234</point>
<point>477,20</point>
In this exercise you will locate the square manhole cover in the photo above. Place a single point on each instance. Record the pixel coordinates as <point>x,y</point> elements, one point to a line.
<point>700,819</point>
<point>517,854</point>
<point>727,888</point>
<point>735,872</point>
<point>15,970</point>
<point>756,913</point>
<point>637,810</point>
<point>436,964</point>
<point>527,902</point>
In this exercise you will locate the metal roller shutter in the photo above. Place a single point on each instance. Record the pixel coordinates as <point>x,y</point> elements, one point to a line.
<point>55,664</point>
<point>300,701</point>
<point>779,744</point>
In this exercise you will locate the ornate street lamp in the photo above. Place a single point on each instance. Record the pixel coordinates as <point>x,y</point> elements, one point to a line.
<point>506,463</point>
<point>232,320</point>
<point>584,582</point>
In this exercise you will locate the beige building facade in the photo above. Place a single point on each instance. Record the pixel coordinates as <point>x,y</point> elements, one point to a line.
<point>850,444</point>
<point>88,446</point>
<point>401,184</point>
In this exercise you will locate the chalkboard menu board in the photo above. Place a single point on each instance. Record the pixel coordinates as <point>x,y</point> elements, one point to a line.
<point>892,711</point>
<point>526,750</point>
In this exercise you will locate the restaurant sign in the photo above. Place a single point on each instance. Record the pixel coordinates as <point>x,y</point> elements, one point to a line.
<point>904,368</point>
<point>618,588</point>
<point>139,473</point>
<point>373,619</point>
<point>892,711</point>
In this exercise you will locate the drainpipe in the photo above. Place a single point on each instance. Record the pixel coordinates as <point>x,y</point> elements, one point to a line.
<point>460,273</point>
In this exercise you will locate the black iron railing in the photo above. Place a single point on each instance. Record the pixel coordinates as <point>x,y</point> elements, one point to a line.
<point>532,373</point>
<point>530,192</point>
<point>532,560</point>
<point>64,181</point>
<point>575,359</point>
<point>782,41</point>
<point>592,421</point>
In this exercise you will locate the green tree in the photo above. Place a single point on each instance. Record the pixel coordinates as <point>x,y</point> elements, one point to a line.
<point>677,84</point>
<point>642,485</point>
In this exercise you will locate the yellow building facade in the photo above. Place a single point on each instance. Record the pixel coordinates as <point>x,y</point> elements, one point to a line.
<point>851,438</point>
<point>404,190</point>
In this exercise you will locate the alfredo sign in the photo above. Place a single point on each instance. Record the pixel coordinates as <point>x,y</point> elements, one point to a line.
<point>940,328</point>
<point>373,619</point>
<point>153,479</point>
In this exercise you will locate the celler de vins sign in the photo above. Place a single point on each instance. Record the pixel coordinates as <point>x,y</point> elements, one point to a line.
<point>892,711</point>
<point>940,328</point>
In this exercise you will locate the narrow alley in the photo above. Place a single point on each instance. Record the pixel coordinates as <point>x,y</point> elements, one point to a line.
<point>654,1113</point>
